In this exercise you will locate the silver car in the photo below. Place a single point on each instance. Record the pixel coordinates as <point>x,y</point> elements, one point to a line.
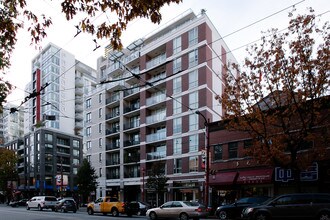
<point>183,210</point>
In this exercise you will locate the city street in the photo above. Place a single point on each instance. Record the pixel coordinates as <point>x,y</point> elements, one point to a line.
<point>20,213</point>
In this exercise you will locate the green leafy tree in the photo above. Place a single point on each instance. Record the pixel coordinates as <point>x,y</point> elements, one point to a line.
<point>278,96</point>
<point>8,172</point>
<point>157,181</point>
<point>86,180</point>
<point>15,14</point>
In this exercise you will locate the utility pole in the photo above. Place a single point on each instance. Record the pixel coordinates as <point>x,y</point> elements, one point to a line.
<point>207,168</point>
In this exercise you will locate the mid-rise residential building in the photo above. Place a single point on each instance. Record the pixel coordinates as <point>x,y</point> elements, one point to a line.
<point>51,150</point>
<point>151,107</point>
<point>12,121</point>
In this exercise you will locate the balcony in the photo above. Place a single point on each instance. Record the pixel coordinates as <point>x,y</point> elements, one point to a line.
<point>111,162</point>
<point>156,61</point>
<point>131,142</point>
<point>132,107</point>
<point>112,146</point>
<point>131,91</point>
<point>112,130</point>
<point>112,115</point>
<point>130,125</point>
<point>112,98</point>
<point>156,155</point>
<point>156,136</point>
<point>155,118</point>
<point>156,99</point>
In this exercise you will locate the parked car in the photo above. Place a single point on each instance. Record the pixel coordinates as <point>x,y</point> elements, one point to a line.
<point>21,202</point>
<point>178,209</point>
<point>41,202</point>
<point>143,207</point>
<point>65,205</point>
<point>234,210</point>
<point>291,206</point>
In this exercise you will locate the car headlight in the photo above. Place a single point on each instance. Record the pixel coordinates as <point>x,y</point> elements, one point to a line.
<point>248,210</point>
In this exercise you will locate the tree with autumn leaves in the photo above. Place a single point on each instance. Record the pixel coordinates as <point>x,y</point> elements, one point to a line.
<point>281,94</point>
<point>8,172</point>
<point>15,15</point>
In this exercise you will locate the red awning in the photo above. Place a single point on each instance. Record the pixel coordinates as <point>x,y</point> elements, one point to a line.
<point>255,176</point>
<point>227,178</point>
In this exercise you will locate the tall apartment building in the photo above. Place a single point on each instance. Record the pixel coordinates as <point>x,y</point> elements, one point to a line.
<point>144,113</point>
<point>53,122</point>
<point>11,123</point>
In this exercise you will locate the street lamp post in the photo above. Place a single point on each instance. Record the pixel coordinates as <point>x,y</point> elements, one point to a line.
<point>207,168</point>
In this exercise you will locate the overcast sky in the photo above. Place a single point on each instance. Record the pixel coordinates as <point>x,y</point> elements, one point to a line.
<point>236,18</point>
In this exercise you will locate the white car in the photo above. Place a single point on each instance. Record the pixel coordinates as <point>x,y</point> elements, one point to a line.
<point>42,202</point>
<point>183,210</point>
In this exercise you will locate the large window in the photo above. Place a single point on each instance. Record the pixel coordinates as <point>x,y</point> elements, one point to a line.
<point>88,103</point>
<point>177,125</point>
<point>193,79</point>
<point>193,164</point>
<point>88,131</point>
<point>88,145</point>
<point>193,58</point>
<point>177,105</point>
<point>177,65</point>
<point>232,150</point>
<point>193,36</point>
<point>177,146</point>
<point>177,85</point>
<point>193,122</point>
<point>217,152</point>
<point>88,117</point>
<point>177,45</point>
<point>177,165</point>
<point>193,143</point>
<point>193,100</point>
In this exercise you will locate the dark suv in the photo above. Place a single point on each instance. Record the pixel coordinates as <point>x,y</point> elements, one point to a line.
<point>234,210</point>
<point>291,206</point>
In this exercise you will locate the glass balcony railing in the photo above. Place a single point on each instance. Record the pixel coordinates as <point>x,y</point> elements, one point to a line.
<point>156,136</point>
<point>156,99</point>
<point>156,61</point>
<point>156,155</point>
<point>155,118</point>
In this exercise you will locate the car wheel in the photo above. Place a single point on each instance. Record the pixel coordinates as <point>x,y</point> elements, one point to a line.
<point>62,210</point>
<point>114,212</point>
<point>74,211</point>
<point>153,215</point>
<point>223,215</point>
<point>39,208</point>
<point>139,212</point>
<point>324,216</point>
<point>27,207</point>
<point>184,216</point>
<point>90,211</point>
<point>261,216</point>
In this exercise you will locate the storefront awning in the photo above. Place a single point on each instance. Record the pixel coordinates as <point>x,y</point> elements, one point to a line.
<point>242,177</point>
<point>255,176</point>
<point>227,178</point>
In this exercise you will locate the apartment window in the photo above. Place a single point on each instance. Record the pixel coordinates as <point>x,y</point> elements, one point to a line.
<point>88,117</point>
<point>177,45</point>
<point>88,157</point>
<point>217,152</point>
<point>100,112</point>
<point>88,131</point>
<point>177,165</point>
<point>100,172</point>
<point>193,164</point>
<point>193,100</point>
<point>100,157</point>
<point>177,125</point>
<point>88,145</point>
<point>100,98</point>
<point>177,146</point>
<point>193,143</point>
<point>49,137</point>
<point>193,79</point>
<point>193,122</point>
<point>100,128</point>
<point>100,142</point>
<point>88,103</point>
<point>193,36</point>
<point>232,150</point>
<point>76,143</point>
<point>177,105</point>
<point>193,58</point>
<point>177,65</point>
<point>177,85</point>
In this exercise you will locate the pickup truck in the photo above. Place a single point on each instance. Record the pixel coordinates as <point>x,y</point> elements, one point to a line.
<point>112,206</point>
